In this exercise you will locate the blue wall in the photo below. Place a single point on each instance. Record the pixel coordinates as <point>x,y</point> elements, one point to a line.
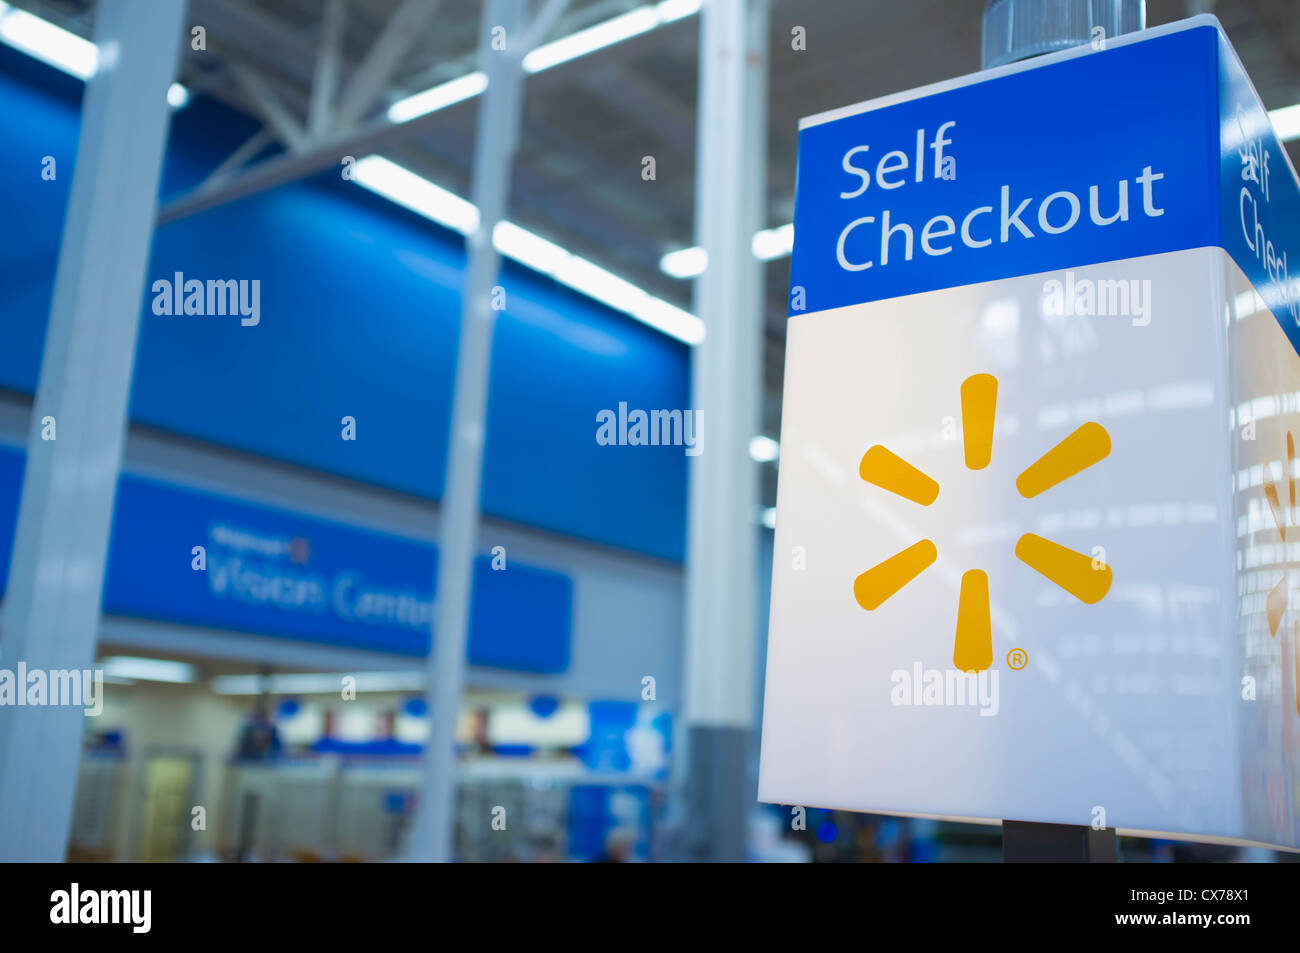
<point>360,304</point>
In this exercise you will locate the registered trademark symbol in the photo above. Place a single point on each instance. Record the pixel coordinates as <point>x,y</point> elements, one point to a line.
<point>1017,659</point>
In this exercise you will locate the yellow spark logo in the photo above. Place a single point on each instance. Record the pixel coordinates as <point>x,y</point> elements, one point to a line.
<point>1276,604</point>
<point>1079,575</point>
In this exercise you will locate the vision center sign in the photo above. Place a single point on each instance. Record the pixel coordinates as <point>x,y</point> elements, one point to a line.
<point>182,555</point>
<point>267,570</point>
<point>1029,328</point>
<point>249,567</point>
<point>348,596</point>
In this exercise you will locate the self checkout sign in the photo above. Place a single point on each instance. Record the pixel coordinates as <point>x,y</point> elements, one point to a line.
<point>1013,218</point>
<point>860,236</point>
<point>1254,206</point>
<point>1022,561</point>
<point>1255,165</point>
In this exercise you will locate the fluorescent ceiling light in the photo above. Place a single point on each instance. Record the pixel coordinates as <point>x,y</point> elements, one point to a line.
<point>439,97</point>
<point>532,250</point>
<point>685,262</point>
<point>670,319</point>
<point>417,193</point>
<point>317,683</point>
<point>1286,122</point>
<point>607,33</point>
<point>670,10</point>
<point>566,48</point>
<point>764,449</point>
<point>71,53</point>
<point>403,186</point>
<point>134,668</point>
<point>48,43</point>
<point>608,288</point>
<point>773,243</point>
<point>61,48</point>
<point>768,245</point>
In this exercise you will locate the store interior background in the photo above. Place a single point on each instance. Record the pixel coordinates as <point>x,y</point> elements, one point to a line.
<point>359,309</point>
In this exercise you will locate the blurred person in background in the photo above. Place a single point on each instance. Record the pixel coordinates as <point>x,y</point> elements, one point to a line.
<point>618,846</point>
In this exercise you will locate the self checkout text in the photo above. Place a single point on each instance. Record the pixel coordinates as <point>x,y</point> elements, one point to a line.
<point>881,239</point>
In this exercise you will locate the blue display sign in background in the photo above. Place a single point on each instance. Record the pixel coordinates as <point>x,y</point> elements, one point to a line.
<point>358,316</point>
<point>11,482</point>
<point>266,570</point>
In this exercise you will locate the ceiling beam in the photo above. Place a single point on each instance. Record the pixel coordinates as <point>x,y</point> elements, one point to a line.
<point>268,104</point>
<point>372,76</point>
<point>370,136</point>
<point>237,160</point>
<point>269,173</point>
<point>325,78</point>
<point>542,22</point>
<point>449,67</point>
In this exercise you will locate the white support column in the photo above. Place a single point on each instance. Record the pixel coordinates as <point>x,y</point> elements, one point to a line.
<point>52,607</point>
<point>432,833</point>
<point>726,382</point>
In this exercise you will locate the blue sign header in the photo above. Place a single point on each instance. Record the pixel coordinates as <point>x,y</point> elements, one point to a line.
<point>1259,193</point>
<point>1105,155</point>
